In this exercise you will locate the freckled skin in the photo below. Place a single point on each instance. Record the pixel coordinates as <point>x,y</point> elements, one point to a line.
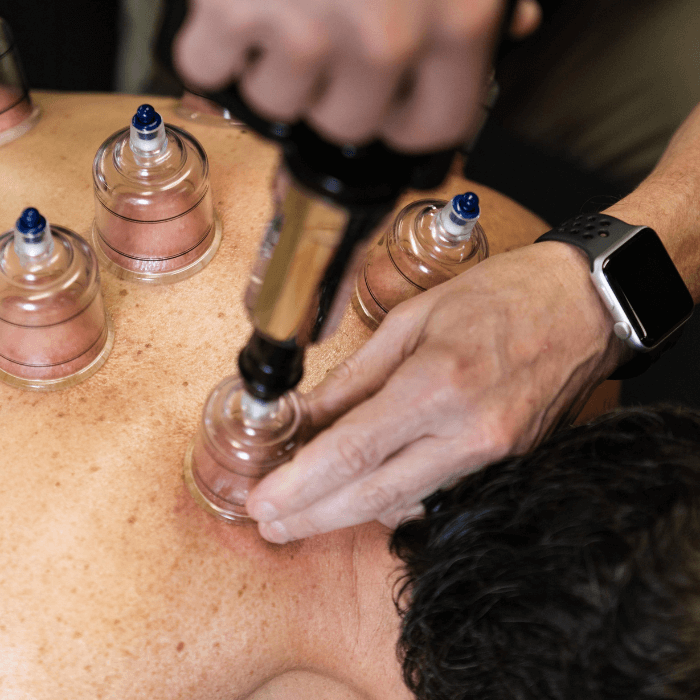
<point>113,583</point>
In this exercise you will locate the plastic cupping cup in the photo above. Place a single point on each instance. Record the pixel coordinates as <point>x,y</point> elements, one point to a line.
<point>430,241</point>
<point>239,441</point>
<point>154,216</point>
<point>17,113</point>
<point>54,330</point>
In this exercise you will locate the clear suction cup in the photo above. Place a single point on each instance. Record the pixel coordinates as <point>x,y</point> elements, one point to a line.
<point>430,241</point>
<point>17,113</point>
<point>54,330</point>
<point>154,216</point>
<point>239,441</point>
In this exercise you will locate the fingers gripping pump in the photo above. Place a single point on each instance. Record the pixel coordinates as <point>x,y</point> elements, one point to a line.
<point>329,198</point>
<point>333,197</point>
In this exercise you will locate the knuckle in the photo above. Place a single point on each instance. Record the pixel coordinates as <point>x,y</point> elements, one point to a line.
<point>308,47</point>
<point>401,313</point>
<point>388,37</point>
<point>226,16</point>
<point>304,526</point>
<point>377,500</point>
<point>346,371</point>
<point>452,374</point>
<point>499,434</point>
<point>457,386</point>
<point>468,22</point>
<point>403,325</point>
<point>399,516</point>
<point>357,455</point>
<point>388,52</point>
<point>390,520</point>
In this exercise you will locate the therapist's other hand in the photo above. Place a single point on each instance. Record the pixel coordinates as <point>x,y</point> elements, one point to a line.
<point>410,71</point>
<point>478,368</point>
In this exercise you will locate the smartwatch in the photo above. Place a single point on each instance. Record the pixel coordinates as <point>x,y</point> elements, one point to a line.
<point>637,281</point>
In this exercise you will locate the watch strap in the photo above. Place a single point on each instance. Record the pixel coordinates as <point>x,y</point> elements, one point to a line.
<point>592,233</point>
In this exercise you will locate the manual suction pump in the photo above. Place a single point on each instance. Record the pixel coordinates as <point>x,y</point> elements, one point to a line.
<point>429,242</point>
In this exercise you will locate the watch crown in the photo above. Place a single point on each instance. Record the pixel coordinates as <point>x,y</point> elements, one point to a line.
<point>622,330</point>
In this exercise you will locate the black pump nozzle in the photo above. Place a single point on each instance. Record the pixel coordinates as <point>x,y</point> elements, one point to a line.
<point>270,369</point>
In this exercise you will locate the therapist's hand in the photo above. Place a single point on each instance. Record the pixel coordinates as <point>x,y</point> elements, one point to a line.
<point>410,71</point>
<point>480,367</point>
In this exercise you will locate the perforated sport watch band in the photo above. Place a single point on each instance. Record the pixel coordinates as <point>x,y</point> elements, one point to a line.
<point>594,234</point>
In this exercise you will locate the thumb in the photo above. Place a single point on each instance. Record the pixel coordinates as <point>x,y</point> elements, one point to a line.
<point>366,371</point>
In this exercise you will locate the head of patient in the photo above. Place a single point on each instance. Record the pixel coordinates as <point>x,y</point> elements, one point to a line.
<point>569,573</point>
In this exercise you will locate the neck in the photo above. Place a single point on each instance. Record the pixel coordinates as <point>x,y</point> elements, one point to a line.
<point>356,627</point>
<point>324,620</point>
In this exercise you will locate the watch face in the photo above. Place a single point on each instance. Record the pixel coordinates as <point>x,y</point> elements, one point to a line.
<point>648,287</point>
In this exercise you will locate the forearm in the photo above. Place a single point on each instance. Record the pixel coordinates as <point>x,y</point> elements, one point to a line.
<point>668,201</point>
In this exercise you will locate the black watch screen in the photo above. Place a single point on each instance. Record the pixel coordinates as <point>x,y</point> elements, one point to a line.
<point>648,287</point>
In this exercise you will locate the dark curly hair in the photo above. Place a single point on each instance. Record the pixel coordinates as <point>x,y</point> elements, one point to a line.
<point>572,572</point>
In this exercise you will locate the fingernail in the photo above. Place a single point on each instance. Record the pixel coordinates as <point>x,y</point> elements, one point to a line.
<point>276,532</point>
<point>264,512</point>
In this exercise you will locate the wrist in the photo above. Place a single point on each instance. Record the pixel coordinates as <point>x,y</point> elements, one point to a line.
<point>669,208</point>
<point>638,283</point>
<point>593,320</point>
